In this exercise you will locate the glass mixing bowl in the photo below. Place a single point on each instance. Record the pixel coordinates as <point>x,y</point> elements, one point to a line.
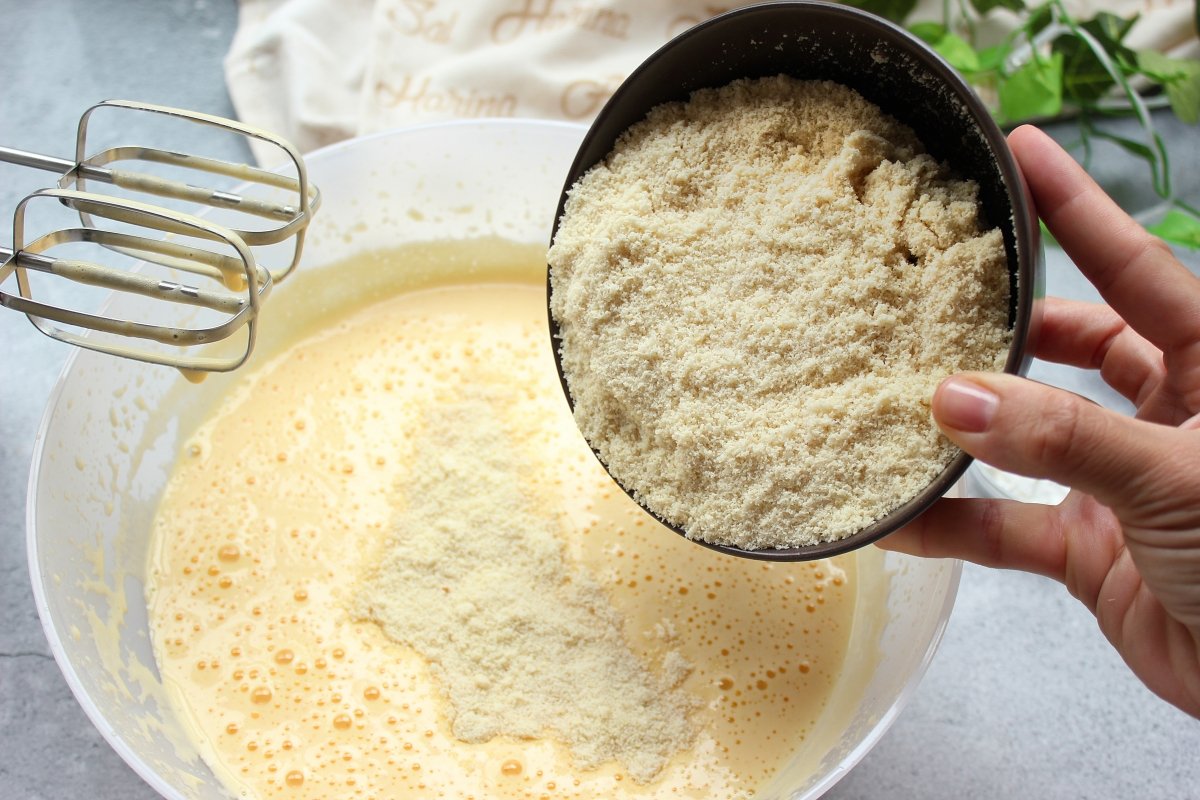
<point>105,450</point>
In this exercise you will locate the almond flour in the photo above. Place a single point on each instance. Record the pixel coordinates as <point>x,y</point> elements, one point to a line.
<point>758,292</point>
<point>524,643</point>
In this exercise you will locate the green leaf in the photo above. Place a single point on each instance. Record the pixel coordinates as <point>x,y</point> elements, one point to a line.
<point>1184,96</point>
<point>991,58</point>
<point>1085,78</point>
<point>928,32</point>
<point>1181,79</point>
<point>1110,29</point>
<point>1178,227</point>
<point>1034,90</point>
<point>984,6</point>
<point>894,10</point>
<point>1038,19</point>
<point>954,49</point>
<point>1159,67</point>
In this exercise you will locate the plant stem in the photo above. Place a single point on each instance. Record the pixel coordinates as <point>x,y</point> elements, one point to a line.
<point>1188,207</point>
<point>1085,136</point>
<point>1159,165</point>
<point>966,19</point>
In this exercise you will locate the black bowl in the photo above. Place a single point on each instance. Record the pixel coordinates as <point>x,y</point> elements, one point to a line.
<point>904,77</point>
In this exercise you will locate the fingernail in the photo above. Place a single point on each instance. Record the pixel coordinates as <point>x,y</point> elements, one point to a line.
<point>964,405</point>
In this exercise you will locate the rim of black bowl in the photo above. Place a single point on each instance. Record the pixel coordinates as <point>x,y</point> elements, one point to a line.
<point>1021,237</point>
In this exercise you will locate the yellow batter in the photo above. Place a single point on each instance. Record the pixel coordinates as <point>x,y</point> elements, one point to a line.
<point>281,507</point>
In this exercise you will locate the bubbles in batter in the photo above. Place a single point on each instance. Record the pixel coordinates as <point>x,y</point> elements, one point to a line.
<point>284,500</point>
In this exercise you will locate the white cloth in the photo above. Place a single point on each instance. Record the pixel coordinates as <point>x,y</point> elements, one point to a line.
<point>318,71</point>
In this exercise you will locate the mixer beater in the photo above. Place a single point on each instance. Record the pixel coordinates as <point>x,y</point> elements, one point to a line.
<point>149,226</point>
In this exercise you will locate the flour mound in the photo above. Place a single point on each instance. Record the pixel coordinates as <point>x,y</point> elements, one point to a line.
<point>523,643</point>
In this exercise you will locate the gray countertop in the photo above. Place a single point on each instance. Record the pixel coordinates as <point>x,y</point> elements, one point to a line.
<point>1024,699</point>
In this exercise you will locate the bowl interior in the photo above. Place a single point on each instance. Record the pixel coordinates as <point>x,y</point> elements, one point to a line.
<point>105,453</point>
<point>895,71</point>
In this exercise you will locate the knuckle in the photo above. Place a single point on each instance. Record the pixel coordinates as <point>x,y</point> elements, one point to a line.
<point>1151,250</point>
<point>1156,249</point>
<point>1168,490</point>
<point>991,532</point>
<point>1145,249</point>
<point>1103,355</point>
<point>1056,430</point>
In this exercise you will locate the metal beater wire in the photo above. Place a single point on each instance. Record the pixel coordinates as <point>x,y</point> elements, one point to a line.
<point>181,242</point>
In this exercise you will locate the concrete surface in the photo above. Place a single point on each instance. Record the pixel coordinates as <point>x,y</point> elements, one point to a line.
<point>1024,699</point>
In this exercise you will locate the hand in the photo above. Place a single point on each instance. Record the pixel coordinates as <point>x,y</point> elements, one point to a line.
<point>1126,540</point>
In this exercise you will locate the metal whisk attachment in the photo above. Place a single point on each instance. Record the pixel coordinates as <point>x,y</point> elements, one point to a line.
<point>135,232</point>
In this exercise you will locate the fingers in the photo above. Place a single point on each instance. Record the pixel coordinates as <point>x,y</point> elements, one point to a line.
<point>1035,430</point>
<point>994,533</point>
<point>1093,336</point>
<point>1135,272</point>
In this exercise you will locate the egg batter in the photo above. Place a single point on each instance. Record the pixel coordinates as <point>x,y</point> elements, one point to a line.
<point>283,505</point>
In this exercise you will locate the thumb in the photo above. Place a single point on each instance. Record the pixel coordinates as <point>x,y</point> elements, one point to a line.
<point>1042,432</point>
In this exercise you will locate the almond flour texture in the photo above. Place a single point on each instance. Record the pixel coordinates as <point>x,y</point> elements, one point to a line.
<point>758,292</point>
<point>524,643</point>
